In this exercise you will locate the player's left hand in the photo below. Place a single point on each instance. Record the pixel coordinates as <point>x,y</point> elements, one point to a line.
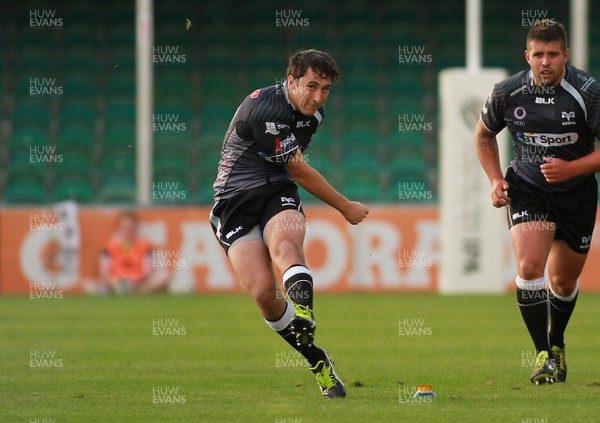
<point>556,170</point>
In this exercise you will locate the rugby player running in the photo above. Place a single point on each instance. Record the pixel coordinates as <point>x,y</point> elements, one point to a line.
<point>552,113</point>
<point>257,216</point>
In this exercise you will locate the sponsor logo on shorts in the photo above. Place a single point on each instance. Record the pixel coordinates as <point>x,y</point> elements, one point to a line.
<point>519,215</point>
<point>585,241</point>
<point>233,232</point>
<point>548,140</point>
<point>288,201</point>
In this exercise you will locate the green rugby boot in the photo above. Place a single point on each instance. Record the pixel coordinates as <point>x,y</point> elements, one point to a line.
<point>561,362</point>
<point>329,382</point>
<point>303,325</point>
<point>544,370</point>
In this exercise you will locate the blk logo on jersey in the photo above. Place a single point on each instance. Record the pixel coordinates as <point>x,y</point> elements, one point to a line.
<point>288,201</point>
<point>544,100</point>
<point>548,140</point>
<point>302,123</point>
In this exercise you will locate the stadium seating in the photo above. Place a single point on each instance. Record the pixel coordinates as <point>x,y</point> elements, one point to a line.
<point>233,48</point>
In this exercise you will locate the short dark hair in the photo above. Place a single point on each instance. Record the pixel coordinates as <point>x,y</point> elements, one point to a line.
<point>321,63</point>
<point>548,30</point>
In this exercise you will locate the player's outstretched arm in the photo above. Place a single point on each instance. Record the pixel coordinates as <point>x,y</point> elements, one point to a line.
<point>312,181</point>
<point>487,153</point>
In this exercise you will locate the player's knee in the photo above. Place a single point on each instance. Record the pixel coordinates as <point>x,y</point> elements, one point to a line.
<point>287,253</point>
<point>530,269</point>
<point>563,286</point>
<point>264,292</point>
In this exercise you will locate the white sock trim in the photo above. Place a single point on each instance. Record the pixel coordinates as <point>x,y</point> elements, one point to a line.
<point>570,297</point>
<point>285,320</point>
<point>294,270</point>
<point>531,285</point>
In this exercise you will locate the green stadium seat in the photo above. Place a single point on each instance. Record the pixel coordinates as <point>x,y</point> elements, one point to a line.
<point>120,111</point>
<point>120,135</point>
<point>357,11</point>
<point>217,115</point>
<point>114,160</point>
<point>357,144</point>
<point>362,186</point>
<point>317,36</point>
<point>324,165</point>
<point>80,34</point>
<point>357,85</point>
<point>271,57</point>
<point>405,85</point>
<point>31,111</point>
<point>401,13</point>
<point>171,161</point>
<point>22,164</point>
<point>358,160</point>
<point>261,12</point>
<point>357,33</point>
<point>215,34</point>
<point>358,60</point>
<point>218,56</point>
<point>209,157</point>
<point>25,137</point>
<point>26,190</point>
<point>77,111</point>
<point>405,140</point>
<point>120,84</point>
<point>28,38</point>
<point>174,141</point>
<point>73,188</point>
<point>33,57</point>
<point>77,137</point>
<point>204,193</point>
<point>408,164</point>
<point>259,79</point>
<point>121,35</point>
<point>117,189</point>
<point>75,162</point>
<point>82,60</point>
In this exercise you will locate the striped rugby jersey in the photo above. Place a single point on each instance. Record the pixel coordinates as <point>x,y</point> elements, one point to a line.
<point>560,121</point>
<point>263,135</point>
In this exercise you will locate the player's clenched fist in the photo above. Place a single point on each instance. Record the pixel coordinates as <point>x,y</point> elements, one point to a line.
<point>355,212</point>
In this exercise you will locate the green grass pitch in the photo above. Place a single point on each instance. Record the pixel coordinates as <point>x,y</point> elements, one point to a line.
<point>211,358</point>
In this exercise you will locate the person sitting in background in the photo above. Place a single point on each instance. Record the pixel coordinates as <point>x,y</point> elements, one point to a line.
<point>126,261</point>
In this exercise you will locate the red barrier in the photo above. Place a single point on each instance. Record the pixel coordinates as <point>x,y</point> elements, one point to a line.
<point>394,249</point>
